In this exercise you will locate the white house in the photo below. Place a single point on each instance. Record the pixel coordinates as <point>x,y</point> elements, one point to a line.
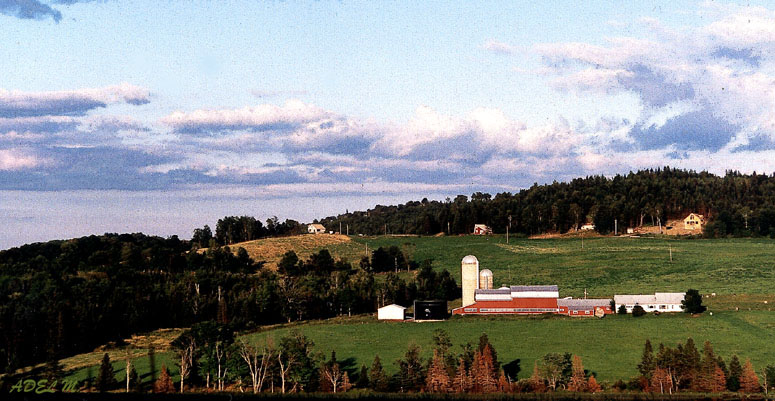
<point>391,312</point>
<point>316,229</point>
<point>659,302</point>
<point>587,227</point>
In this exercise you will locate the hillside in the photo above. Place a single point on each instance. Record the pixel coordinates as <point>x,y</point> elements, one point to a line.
<point>271,250</point>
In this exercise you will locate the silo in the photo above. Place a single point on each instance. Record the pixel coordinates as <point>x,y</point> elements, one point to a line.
<point>485,280</point>
<point>469,279</point>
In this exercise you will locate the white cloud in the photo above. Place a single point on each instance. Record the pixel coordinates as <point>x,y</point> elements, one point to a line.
<point>16,159</point>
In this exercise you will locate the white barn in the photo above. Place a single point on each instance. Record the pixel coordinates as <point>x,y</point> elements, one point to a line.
<point>659,302</point>
<point>391,312</point>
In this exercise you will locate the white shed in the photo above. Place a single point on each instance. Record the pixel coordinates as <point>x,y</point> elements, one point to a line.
<point>391,312</point>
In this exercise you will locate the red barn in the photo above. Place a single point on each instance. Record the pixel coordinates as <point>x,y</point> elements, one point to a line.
<point>481,229</point>
<point>584,307</point>
<point>513,300</point>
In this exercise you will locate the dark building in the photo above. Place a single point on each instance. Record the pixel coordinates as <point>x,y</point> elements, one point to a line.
<point>430,310</point>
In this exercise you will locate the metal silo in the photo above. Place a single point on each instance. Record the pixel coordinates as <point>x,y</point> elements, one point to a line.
<point>485,280</point>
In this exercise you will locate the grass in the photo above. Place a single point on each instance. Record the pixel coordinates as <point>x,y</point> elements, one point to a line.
<point>605,265</point>
<point>611,347</point>
<point>741,272</point>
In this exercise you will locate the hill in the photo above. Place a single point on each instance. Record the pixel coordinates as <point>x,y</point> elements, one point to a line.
<point>271,250</point>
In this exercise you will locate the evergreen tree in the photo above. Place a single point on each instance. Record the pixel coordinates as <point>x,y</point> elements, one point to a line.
<point>661,381</point>
<point>647,363</point>
<point>164,383</point>
<point>378,380</point>
<point>638,311</point>
<point>363,378</point>
<point>735,372</point>
<point>106,379</point>
<point>593,386</point>
<point>692,302</point>
<point>437,380</point>
<point>461,382</point>
<point>135,382</point>
<point>749,381</point>
<point>622,310</point>
<point>411,373</point>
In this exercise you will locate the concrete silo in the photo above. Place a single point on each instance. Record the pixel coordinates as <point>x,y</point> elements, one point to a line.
<point>485,280</point>
<point>469,279</point>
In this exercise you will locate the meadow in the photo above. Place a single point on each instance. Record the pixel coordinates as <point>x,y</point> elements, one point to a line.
<point>741,272</point>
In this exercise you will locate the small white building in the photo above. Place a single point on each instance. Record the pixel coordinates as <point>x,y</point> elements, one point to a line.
<point>316,229</point>
<point>659,302</point>
<point>587,227</point>
<point>391,312</point>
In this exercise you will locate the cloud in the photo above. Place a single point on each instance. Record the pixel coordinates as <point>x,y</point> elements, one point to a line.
<point>29,9</point>
<point>68,103</point>
<point>17,159</point>
<point>263,94</point>
<point>500,47</point>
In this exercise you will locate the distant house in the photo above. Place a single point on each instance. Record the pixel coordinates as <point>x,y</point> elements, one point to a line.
<point>587,227</point>
<point>659,302</point>
<point>391,312</point>
<point>482,229</point>
<point>694,221</point>
<point>316,229</point>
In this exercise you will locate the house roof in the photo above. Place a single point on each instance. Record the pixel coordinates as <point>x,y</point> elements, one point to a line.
<point>657,298</point>
<point>392,306</point>
<point>317,226</point>
<point>701,217</point>
<point>527,288</point>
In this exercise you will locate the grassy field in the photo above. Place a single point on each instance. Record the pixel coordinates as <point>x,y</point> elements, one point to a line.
<point>740,271</point>
<point>606,266</point>
<point>611,347</point>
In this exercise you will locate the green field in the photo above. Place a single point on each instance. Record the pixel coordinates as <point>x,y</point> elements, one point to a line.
<point>606,266</point>
<point>740,271</point>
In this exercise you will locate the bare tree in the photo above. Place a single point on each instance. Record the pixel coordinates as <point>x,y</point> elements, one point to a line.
<point>258,360</point>
<point>186,346</point>
<point>285,367</point>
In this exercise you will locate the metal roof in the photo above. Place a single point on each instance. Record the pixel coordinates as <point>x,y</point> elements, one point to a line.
<point>657,298</point>
<point>526,288</point>
<point>583,303</point>
<point>504,291</point>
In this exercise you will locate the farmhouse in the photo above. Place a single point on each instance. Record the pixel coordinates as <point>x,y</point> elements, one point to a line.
<point>391,312</point>
<point>659,302</point>
<point>316,229</point>
<point>694,221</point>
<point>482,229</point>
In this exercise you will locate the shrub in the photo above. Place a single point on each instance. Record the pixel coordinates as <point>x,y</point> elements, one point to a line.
<point>638,311</point>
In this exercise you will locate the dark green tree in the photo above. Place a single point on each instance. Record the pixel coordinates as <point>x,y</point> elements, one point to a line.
<point>378,380</point>
<point>647,362</point>
<point>735,371</point>
<point>638,311</point>
<point>692,302</point>
<point>106,379</point>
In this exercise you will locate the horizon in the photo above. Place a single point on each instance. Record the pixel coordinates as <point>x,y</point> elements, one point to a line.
<point>123,116</point>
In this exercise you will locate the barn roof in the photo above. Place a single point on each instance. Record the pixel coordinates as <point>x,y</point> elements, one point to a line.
<point>657,298</point>
<point>584,303</point>
<point>504,291</point>
<point>392,306</point>
<point>517,303</point>
<point>526,288</point>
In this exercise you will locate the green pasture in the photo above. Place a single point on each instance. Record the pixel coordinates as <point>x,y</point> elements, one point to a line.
<point>610,347</point>
<point>605,265</point>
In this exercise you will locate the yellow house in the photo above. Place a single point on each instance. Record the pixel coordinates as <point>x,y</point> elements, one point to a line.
<point>694,221</point>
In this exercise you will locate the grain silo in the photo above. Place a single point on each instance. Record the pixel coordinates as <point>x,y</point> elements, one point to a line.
<point>485,279</point>
<point>469,279</point>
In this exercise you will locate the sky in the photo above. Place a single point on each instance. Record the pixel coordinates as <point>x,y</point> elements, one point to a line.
<point>162,116</point>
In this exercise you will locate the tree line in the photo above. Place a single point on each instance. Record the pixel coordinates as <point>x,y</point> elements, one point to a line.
<point>212,357</point>
<point>736,205</point>
<point>61,298</point>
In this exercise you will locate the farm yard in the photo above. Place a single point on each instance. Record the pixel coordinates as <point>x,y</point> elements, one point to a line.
<point>740,272</point>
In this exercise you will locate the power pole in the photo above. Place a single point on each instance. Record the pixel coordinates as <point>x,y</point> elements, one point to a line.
<point>616,227</point>
<point>386,230</point>
<point>671,253</point>
<point>340,228</point>
<point>447,228</point>
<point>507,230</point>
<point>348,230</point>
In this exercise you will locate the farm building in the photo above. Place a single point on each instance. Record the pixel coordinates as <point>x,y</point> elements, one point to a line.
<point>694,221</point>
<point>659,302</point>
<point>316,229</point>
<point>391,312</point>
<point>584,307</point>
<point>482,229</point>
<point>430,310</point>
<point>587,227</point>
<point>479,297</point>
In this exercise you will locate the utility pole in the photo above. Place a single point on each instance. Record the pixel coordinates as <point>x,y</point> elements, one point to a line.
<point>616,227</point>
<point>447,228</point>
<point>671,253</point>
<point>348,230</point>
<point>582,239</point>
<point>386,230</point>
<point>340,228</point>
<point>507,230</point>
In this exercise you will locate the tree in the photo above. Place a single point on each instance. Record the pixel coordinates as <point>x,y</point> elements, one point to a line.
<point>135,382</point>
<point>363,378</point>
<point>661,381</point>
<point>331,375</point>
<point>483,372</point>
<point>735,373</point>
<point>638,311</point>
<point>164,383</point>
<point>259,359</point>
<point>106,379</point>
<point>537,382</point>
<point>437,380</point>
<point>296,361</point>
<point>622,310</point>
<point>552,369</point>
<point>749,381</point>
<point>710,377</point>
<point>593,386</point>
<point>461,383</point>
<point>692,302</point>
<point>647,363</point>
<point>185,345</point>
<point>578,380</point>
<point>769,378</point>
<point>378,380</point>
<point>411,373</point>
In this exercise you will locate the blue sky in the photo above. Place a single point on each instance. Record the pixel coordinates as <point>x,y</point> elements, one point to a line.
<point>195,110</point>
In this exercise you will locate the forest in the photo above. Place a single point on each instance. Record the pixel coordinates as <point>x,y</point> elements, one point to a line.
<point>736,204</point>
<point>61,298</point>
